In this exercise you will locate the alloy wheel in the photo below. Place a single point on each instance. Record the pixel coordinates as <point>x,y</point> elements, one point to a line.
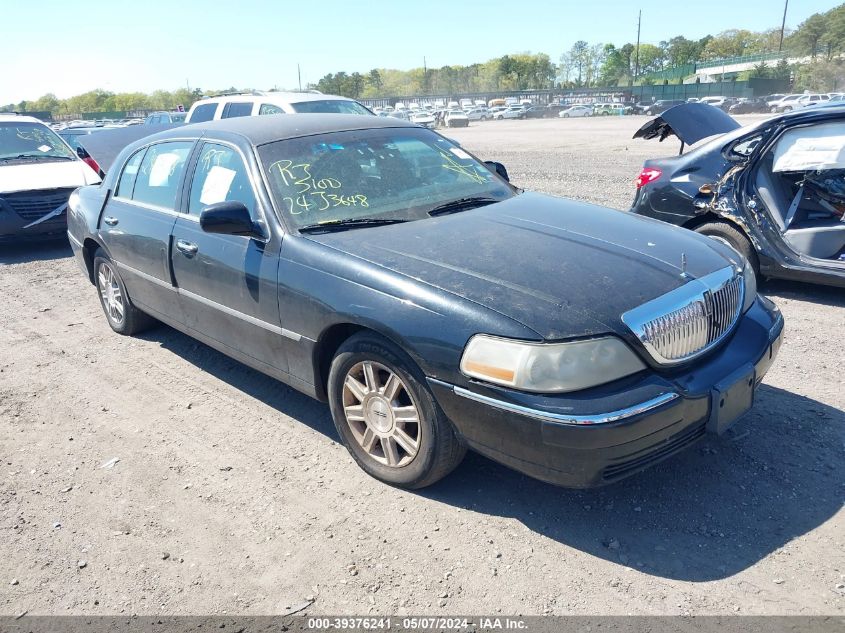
<point>110,293</point>
<point>381,413</point>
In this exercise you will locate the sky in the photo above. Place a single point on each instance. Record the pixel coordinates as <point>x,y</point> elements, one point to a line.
<point>68,47</point>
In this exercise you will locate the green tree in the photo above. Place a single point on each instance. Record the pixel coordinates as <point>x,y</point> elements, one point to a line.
<point>580,56</point>
<point>759,71</point>
<point>809,34</point>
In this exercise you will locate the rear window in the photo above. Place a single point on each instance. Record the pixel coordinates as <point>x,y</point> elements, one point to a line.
<point>269,108</point>
<point>204,112</point>
<point>336,106</point>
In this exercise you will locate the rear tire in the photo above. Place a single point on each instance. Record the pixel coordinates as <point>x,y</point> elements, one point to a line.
<point>386,416</point>
<point>123,317</point>
<point>733,237</point>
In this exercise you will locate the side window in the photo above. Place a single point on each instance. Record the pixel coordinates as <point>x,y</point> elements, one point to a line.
<point>205,112</point>
<point>160,173</point>
<point>232,110</point>
<point>269,108</point>
<point>127,178</point>
<point>220,176</point>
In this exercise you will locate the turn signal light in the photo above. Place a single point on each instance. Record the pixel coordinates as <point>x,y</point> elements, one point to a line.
<point>647,175</point>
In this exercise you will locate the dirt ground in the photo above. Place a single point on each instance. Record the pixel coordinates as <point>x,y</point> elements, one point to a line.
<point>153,475</point>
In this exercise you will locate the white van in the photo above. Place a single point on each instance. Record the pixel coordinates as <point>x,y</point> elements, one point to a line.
<point>258,103</point>
<point>38,172</point>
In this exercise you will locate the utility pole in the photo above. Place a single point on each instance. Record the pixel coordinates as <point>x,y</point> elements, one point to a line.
<point>783,25</point>
<point>637,52</point>
<point>299,77</point>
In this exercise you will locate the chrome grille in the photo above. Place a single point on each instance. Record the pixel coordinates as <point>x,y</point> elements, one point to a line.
<point>691,319</point>
<point>31,205</point>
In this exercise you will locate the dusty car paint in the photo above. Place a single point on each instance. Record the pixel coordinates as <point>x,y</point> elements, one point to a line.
<point>283,302</point>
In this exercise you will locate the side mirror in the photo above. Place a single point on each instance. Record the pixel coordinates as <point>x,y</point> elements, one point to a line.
<point>228,218</point>
<point>498,168</point>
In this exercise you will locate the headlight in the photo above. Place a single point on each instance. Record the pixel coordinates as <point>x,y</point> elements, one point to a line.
<point>548,367</point>
<point>750,280</point>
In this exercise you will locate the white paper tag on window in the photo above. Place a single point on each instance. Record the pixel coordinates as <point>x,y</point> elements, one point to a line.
<point>216,185</point>
<point>160,171</point>
<point>457,151</point>
<point>44,148</point>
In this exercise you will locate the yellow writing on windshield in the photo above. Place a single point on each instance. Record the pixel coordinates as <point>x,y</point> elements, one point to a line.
<point>464,170</point>
<point>312,194</point>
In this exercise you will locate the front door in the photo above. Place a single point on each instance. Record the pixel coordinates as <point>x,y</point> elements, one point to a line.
<point>227,283</point>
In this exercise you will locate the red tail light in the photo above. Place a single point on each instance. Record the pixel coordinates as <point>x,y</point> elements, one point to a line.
<point>92,164</point>
<point>647,175</point>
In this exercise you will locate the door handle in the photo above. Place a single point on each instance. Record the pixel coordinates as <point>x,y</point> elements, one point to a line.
<point>188,248</point>
<point>110,220</point>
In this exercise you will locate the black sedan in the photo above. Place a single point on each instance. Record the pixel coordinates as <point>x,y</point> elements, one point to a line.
<point>536,112</point>
<point>749,106</point>
<point>377,265</point>
<point>774,191</point>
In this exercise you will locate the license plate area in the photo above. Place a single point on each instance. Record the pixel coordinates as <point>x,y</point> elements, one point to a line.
<point>730,399</point>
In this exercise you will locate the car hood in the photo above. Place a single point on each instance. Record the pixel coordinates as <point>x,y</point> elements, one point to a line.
<point>45,175</point>
<point>690,122</point>
<point>559,267</point>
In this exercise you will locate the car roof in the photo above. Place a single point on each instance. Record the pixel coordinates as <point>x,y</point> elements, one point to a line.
<point>19,118</point>
<point>274,96</point>
<point>259,130</point>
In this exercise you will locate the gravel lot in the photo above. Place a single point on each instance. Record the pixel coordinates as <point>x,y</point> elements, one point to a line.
<point>232,494</point>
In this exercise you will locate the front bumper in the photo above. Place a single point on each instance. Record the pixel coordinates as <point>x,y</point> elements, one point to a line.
<point>14,228</point>
<point>591,439</point>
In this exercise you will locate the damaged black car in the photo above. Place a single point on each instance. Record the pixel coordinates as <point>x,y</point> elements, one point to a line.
<point>774,191</point>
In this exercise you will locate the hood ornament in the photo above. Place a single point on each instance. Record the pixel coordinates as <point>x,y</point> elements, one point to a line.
<point>684,265</point>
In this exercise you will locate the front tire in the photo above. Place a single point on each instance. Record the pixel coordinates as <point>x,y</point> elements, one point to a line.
<point>733,237</point>
<point>387,417</point>
<point>123,317</point>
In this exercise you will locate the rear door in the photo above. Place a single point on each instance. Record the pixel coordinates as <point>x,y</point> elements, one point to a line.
<point>138,220</point>
<point>228,283</point>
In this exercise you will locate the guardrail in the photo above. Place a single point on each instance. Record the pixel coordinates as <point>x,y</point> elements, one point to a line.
<point>744,59</point>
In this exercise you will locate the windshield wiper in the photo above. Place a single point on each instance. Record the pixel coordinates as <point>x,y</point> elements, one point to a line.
<point>35,156</point>
<point>347,223</point>
<point>461,204</point>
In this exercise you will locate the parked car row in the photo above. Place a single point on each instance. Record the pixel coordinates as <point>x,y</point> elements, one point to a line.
<point>790,103</point>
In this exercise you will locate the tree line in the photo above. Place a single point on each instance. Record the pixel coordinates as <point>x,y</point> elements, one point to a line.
<point>820,38</point>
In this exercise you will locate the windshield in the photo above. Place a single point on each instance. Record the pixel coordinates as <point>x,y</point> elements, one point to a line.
<point>31,140</point>
<point>378,173</point>
<point>335,106</point>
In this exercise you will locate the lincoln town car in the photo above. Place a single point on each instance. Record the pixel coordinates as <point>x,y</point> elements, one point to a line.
<point>380,267</point>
